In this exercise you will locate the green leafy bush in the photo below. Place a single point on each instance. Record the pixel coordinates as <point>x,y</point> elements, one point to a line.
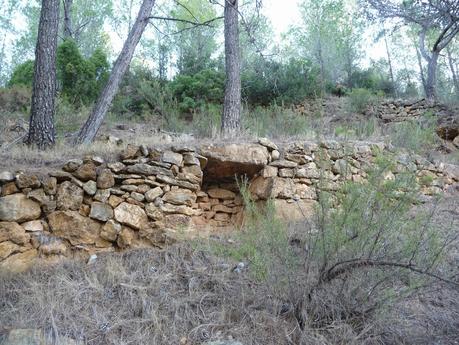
<point>81,79</point>
<point>22,75</point>
<point>360,100</point>
<point>196,90</point>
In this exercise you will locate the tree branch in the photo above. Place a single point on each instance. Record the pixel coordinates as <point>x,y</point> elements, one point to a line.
<point>194,23</point>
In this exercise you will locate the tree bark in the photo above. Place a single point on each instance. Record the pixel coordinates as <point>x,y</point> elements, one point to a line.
<point>453,71</point>
<point>68,30</point>
<point>391,71</point>
<point>231,120</point>
<point>91,127</point>
<point>421,70</point>
<point>431,83</point>
<point>41,128</point>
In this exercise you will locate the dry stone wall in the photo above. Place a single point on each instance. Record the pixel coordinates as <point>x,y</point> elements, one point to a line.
<point>149,196</point>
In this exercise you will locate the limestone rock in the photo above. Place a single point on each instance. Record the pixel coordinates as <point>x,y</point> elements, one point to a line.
<point>282,163</point>
<point>219,193</point>
<point>90,187</point>
<point>87,171</point>
<point>116,167</point>
<point>146,169</point>
<point>172,158</point>
<point>33,226</point>
<point>9,188</point>
<point>268,143</point>
<point>130,152</point>
<point>7,248</point>
<point>102,195</point>
<point>72,165</point>
<point>180,197</point>
<point>294,211</point>
<point>114,201</point>
<point>110,230</point>
<point>27,181</point>
<point>69,196</point>
<point>12,231</point>
<point>125,237</point>
<point>74,227</point>
<point>131,215</point>
<point>178,209</point>
<point>105,179</point>
<point>153,211</point>
<point>6,176</point>
<point>172,181</point>
<point>269,171</point>
<point>154,193</point>
<point>235,159</point>
<point>17,208</point>
<point>101,211</point>
<point>19,262</point>
<point>275,155</point>
<point>50,185</point>
<point>39,196</point>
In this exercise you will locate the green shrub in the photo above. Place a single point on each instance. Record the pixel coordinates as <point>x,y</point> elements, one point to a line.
<point>22,75</point>
<point>81,80</point>
<point>416,135</point>
<point>360,99</point>
<point>362,252</point>
<point>196,90</point>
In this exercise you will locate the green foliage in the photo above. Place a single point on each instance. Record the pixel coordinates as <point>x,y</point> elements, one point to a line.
<point>416,135</point>
<point>360,99</point>
<point>272,82</point>
<point>22,74</point>
<point>194,91</point>
<point>81,79</point>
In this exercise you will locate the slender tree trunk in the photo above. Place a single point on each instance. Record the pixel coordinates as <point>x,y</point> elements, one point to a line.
<point>421,70</point>
<point>391,71</point>
<point>431,83</point>
<point>41,127</point>
<point>68,30</point>
<point>231,120</point>
<point>90,128</point>
<point>453,71</point>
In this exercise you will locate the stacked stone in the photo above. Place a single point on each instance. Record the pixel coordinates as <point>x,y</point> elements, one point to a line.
<point>149,195</point>
<point>94,205</point>
<point>221,208</point>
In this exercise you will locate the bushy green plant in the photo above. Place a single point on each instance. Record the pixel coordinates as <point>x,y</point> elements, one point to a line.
<point>81,79</point>
<point>362,251</point>
<point>196,90</point>
<point>22,75</point>
<point>360,99</point>
<point>271,82</point>
<point>416,135</point>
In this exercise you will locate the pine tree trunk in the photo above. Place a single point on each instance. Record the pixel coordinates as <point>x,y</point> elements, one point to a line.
<point>231,120</point>
<point>41,128</point>
<point>421,70</point>
<point>453,71</point>
<point>68,31</point>
<point>90,128</point>
<point>391,71</point>
<point>431,82</point>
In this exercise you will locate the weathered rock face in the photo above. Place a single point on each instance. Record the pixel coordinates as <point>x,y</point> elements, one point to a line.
<point>18,208</point>
<point>74,227</point>
<point>69,196</point>
<point>131,215</point>
<point>239,159</point>
<point>152,196</point>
